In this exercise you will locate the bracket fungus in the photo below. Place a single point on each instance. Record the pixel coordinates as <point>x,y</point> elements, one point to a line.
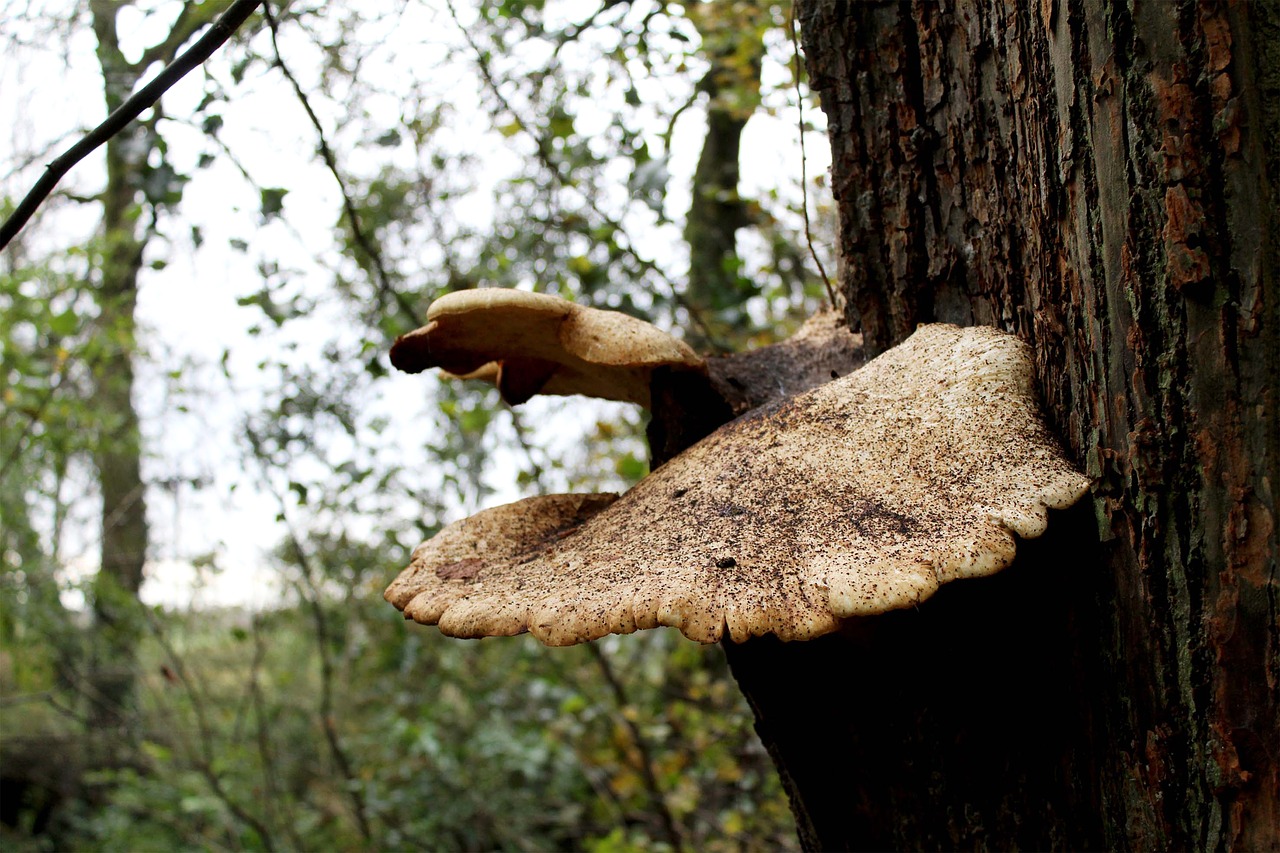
<point>822,349</point>
<point>860,496</point>
<point>534,343</point>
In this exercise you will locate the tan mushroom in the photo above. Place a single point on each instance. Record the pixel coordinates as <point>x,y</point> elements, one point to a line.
<point>861,496</point>
<point>492,536</point>
<point>531,343</point>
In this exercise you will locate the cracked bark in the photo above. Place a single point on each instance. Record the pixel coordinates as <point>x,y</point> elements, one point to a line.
<point>1103,182</point>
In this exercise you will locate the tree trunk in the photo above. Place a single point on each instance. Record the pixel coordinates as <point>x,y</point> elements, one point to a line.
<point>1103,182</point>
<point>716,290</point>
<point>118,450</point>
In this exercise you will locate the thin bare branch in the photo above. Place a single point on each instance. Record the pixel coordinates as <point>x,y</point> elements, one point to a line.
<point>804,178</point>
<point>320,621</point>
<point>190,19</point>
<point>36,413</point>
<point>522,438</point>
<point>384,286</point>
<point>659,803</point>
<point>543,147</point>
<point>262,728</point>
<point>208,749</point>
<point>25,698</point>
<point>217,35</point>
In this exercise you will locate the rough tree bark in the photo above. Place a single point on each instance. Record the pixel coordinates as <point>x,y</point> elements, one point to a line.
<point>1101,179</point>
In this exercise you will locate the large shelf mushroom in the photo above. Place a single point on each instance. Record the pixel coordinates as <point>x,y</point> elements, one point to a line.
<point>858,497</point>
<point>534,343</point>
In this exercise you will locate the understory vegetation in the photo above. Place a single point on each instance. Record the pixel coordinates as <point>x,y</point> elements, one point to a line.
<point>208,471</point>
<point>296,730</point>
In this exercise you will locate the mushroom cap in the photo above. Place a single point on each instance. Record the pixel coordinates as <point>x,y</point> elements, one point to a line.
<point>532,343</point>
<point>503,533</point>
<point>861,496</point>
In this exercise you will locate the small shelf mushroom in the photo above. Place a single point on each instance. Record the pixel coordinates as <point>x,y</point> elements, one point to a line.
<point>860,496</point>
<point>534,343</point>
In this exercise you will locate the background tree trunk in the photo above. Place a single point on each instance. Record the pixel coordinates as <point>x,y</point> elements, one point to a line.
<point>716,290</point>
<point>118,453</point>
<point>140,183</point>
<point>1103,182</point>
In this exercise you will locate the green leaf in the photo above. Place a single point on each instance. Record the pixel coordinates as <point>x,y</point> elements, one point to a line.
<point>561,125</point>
<point>156,751</point>
<point>272,202</point>
<point>64,324</point>
<point>631,468</point>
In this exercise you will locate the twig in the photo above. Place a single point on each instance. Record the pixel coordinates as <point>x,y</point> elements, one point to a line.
<point>659,802</point>
<point>218,33</point>
<point>384,286</point>
<point>553,167</point>
<point>323,639</point>
<point>25,698</point>
<point>33,418</point>
<point>35,413</point>
<point>321,622</point>
<point>263,732</point>
<point>666,135</point>
<point>522,438</point>
<point>575,31</point>
<point>804,178</point>
<point>204,763</point>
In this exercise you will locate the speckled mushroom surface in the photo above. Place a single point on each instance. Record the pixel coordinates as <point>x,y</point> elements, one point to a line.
<point>861,496</point>
<point>534,343</point>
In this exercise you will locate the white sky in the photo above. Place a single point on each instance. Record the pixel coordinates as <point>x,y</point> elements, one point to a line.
<point>49,92</point>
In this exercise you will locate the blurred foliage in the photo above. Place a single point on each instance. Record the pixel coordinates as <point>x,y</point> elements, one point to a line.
<point>325,722</point>
<point>496,744</point>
